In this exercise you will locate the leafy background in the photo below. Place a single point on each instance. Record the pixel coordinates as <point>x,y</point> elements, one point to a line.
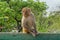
<point>10,15</point>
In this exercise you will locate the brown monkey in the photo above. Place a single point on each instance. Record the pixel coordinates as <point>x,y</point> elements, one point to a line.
<point>28,22</point>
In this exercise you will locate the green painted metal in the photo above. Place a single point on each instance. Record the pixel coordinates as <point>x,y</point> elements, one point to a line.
<point>21,36</point>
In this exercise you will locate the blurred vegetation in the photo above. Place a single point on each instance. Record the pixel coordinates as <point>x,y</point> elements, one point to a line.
<point>10,15</point>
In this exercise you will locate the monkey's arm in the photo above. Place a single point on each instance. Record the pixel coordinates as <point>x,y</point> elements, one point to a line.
<point>25,25</point>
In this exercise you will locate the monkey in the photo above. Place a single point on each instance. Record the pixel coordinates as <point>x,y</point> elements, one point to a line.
<point>28,21</point>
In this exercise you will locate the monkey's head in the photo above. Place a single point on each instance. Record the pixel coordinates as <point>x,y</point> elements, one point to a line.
<point>26,11</point>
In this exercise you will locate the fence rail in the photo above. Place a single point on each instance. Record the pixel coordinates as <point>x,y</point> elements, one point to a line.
<point>21,36</point>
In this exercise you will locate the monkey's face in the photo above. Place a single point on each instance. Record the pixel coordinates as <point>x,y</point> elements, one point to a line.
<point>26,12</point>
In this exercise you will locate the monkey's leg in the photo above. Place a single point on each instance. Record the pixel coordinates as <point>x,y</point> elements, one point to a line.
<point>25,30</point>
<point>34,32</point>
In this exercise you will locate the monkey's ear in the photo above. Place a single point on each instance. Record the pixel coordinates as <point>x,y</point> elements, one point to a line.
<point>29,10</point>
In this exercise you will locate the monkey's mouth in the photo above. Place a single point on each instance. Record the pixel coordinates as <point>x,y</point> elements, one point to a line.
<point>26,14</point>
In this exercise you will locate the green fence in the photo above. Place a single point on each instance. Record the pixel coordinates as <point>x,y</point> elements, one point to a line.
<point>21,36</point>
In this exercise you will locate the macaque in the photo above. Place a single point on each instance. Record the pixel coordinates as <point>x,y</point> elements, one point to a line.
<point>28,22</point>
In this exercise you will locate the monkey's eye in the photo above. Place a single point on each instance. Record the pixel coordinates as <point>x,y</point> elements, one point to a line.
<point>23,11</point>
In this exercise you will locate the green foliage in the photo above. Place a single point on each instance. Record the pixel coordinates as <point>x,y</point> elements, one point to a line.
<point>12,8</point>
<point>55,22</point>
